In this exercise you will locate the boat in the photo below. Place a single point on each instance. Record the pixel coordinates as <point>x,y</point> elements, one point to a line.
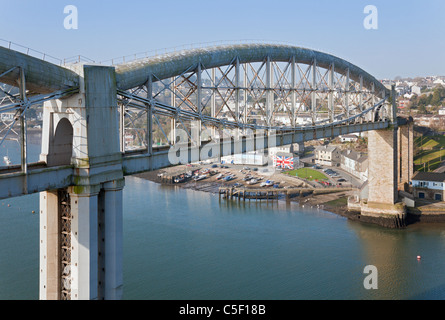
<point>228,178</point>
<point>219,176</point>
<point>267,183</point>
<point>252,181</point>
<point>200,177</point>
<point>179,179</point>
<point>7,160</point>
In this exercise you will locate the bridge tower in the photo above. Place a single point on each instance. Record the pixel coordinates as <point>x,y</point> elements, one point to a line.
<point>81,232</point>
<point>390,170</point>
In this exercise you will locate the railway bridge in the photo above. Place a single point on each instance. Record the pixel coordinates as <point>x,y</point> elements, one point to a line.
<point>104,122</point>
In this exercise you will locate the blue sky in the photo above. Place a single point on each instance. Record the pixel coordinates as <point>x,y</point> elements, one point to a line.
<point>409,40</point>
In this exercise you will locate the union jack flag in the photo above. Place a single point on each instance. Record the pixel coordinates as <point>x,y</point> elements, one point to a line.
<point>284,162</point>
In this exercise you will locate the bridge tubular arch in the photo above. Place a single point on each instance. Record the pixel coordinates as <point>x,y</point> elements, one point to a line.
<point>134,74</point>
<point>186,87</point>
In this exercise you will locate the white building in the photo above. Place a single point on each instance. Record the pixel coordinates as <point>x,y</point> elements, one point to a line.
<point>429,185</point>
<point>355,163</point>
<point>349,138</point>
<point>7,116</point>
<point>257,158</point>
<point>327,155</point>
<point>415,90</point>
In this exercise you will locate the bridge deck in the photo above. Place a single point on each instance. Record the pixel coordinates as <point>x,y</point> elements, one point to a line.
<point>14,183</point>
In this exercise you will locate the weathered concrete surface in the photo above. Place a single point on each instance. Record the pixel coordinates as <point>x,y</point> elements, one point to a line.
<point>41,76</point>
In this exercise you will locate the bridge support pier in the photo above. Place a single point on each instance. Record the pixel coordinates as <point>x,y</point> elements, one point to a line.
<point>81,227</point>
<point>111,201</point>
<point>81,237</point>
<point>385,155</point>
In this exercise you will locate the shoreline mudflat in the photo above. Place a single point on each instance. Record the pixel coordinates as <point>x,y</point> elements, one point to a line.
<point>331,202</point>
<point>335,203</point>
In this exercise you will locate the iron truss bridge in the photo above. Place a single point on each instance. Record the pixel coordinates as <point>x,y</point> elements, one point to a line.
<point>224,90</point>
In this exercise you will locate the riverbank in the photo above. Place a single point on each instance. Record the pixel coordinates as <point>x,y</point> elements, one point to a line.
<point>336,202</point>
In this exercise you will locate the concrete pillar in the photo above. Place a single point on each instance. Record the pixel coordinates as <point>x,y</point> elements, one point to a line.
<point>113,239</point>
<point>49,279</point>
<point>90,269</point>
<point>84,245</point>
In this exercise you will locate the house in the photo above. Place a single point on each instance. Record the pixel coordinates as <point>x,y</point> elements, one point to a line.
<point>295,148</point>
<point>355,163</point>
<point>328,156</point>
<point>416,90</point>
<point>430,121</point>
<point>428,185</point>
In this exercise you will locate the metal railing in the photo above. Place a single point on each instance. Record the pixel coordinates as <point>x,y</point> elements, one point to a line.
<point>132,57</point>
<point>30,52</point>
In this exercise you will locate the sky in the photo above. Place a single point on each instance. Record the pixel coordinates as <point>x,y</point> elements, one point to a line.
<point>408,41</point>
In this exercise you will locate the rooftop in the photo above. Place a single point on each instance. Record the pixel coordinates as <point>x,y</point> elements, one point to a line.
<point>429,176</point>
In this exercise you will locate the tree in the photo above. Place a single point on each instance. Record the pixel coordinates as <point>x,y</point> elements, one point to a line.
<point>435,98</point>
<point>438,95</point>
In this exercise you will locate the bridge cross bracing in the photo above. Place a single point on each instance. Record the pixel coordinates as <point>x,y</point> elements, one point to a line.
<point>224,98</point>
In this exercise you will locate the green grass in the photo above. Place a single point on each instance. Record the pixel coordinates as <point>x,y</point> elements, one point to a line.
<point>307,173</point>
<point>429,154</point>
<point>430,158</point>
<point>430,142</point>
<point>337,202</point>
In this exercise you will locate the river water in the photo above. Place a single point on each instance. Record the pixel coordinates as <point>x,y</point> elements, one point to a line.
<point>185,244</point>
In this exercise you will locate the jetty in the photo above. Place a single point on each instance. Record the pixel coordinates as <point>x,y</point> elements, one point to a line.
<point>244,193</point>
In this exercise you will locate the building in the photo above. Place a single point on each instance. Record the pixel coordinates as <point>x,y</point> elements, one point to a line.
<point>328,156</point>
<point>349,138</point>
<point>355,163</point>
<point>249,158</point>
<point>287,161</point>
<point>404,103</point>
<point>430,121</point>
<point>416,90</point>
<point>428,185</point>
<point>295,148</point>
<point>7,116</point>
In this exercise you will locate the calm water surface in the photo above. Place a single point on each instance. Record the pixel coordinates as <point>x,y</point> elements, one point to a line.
<point>184,244</point>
